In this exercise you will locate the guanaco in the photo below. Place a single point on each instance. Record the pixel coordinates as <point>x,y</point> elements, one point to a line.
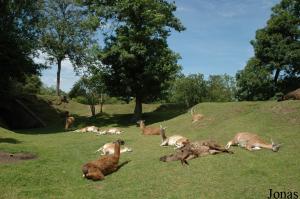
<point>196,117</point>
<point>251,142</point>
<point>97,169</point>
<point>195,149</point>
<point>109,148</point>
<point>147,130</point>
<point>69,120</point>
<point>174,140</point>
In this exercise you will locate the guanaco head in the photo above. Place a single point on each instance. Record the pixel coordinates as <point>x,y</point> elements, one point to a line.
<point>275,147</point>
<point>119,141</point>
<point>140,123</point>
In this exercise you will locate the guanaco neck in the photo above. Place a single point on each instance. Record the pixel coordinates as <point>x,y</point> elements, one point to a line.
<point>117,150</point>
<point>163,134</point>
<point>142,125</point>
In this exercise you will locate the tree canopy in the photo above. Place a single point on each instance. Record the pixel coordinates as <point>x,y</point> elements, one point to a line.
<point>67,31</point>
<point>18,33</point>
<point>276,65</point>
<point>221,88</point>
<point>277,45</point>
<point>254,82</point>
<point>138,61</point>
<point>188,90</point>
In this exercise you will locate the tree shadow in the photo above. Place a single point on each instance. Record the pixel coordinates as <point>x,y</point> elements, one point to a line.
<point>162,113</point>
<point>29,111</point>
<point>9,140</point>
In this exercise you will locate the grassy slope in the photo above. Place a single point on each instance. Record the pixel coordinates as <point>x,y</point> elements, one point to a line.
<point>57,174</point>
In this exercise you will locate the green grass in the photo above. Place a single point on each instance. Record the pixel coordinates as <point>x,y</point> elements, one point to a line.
<point>57,171</point>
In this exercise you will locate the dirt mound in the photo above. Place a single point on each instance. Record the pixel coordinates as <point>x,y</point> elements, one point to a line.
<point>15,157</point>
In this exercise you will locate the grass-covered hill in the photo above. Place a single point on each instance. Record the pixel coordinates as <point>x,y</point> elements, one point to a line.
<point>56,173</point>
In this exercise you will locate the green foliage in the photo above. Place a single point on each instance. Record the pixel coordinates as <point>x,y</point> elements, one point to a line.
<point>220,88</point>
<point>66,32</point>
<point>193,89</point>
<point>188,90</point>
<point>277,45</point>
<point>254,82</point>
<point>18,34</point>
<point>32,85</point>
<point>138,61</point>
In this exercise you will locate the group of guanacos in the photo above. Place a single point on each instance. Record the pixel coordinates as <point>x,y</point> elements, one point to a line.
<point>184,148</point>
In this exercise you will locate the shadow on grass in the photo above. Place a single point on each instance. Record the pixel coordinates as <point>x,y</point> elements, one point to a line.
<point>9,140</point>
<point>123,164</point>
<point>162,113</point>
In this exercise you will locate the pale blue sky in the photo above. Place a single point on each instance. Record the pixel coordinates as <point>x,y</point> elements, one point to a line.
<point>216,40</point>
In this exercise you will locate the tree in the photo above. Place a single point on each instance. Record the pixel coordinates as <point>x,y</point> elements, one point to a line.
<point>254,82</point>
<point>277,45</point>
<point>18,33</point>
<point>220,88</point>
<point>90,90</point>
<point>189,90</point>
<point>67,31</point>
<point>138,61</point>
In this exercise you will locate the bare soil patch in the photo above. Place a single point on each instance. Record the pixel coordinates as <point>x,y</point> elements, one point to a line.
<point>15,157</point>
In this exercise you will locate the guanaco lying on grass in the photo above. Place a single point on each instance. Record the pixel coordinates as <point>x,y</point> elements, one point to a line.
<point>195,149</point>
<point>147,130</point>
<point>174,140</point>
<point>92,129</point>
<point>196,117</point>
<point>251,142</point>
<point>97,169</point>
<point>109,148</point>
<point>69,120</point>
<point>110,131</point>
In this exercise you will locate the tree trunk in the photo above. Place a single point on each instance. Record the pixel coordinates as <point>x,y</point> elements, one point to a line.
<point>101,102</point>
<point>138,109</point>
<point>276,77</point>
<point>58,77</point>
<point>93,110</point>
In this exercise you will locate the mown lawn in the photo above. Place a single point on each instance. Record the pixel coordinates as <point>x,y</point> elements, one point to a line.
<point>57,171</point>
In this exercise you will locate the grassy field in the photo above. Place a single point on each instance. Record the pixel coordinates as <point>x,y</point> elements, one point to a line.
<point>57,171</point>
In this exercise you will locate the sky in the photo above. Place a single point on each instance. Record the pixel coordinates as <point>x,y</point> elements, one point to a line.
<point>216,40</point>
